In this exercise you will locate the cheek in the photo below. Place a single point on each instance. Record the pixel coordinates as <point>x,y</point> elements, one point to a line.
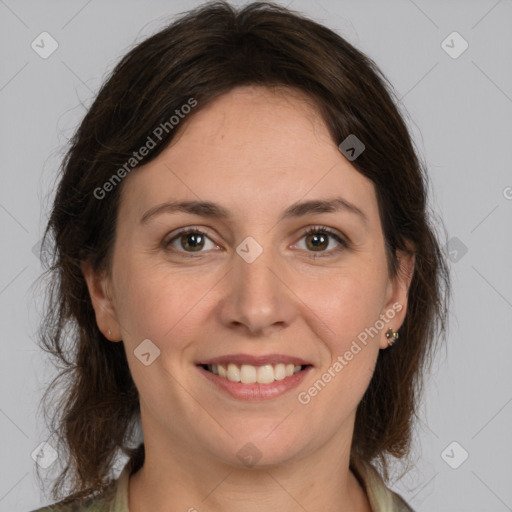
<point>348,301</point>
<point>350,306</point>
<point>150,300</point>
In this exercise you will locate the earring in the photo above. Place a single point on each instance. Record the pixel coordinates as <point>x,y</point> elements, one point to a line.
<point>392,336</point>
<point>109,332</point>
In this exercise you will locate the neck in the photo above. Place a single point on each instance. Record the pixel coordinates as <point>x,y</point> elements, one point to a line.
<point>315,483</point>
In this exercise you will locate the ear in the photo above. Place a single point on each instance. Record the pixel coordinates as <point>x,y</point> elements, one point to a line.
<point>99,286</point>
<point>397,294</point>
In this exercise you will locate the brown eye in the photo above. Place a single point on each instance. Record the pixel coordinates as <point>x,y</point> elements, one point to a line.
<point>318,239</point>
<point>188,241</point>
<point>194,241</point>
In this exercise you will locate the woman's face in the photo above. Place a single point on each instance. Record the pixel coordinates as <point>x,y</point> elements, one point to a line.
<point>255,288</point>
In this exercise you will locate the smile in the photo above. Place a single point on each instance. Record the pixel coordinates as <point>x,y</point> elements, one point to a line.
<point>249,374</point>
<point>267,378</point>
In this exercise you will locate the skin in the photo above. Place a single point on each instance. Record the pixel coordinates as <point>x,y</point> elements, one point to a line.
<point>254,151</point>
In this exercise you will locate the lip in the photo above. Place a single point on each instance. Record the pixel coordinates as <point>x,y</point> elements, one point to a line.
<point>256,391</point>
<point>256,360</point>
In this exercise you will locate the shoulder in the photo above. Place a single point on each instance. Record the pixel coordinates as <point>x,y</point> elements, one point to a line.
<point>93,505</point>
<point>382,499</point>
<point>100,503</point>
<point>114,497</point>
<point>399,503</point>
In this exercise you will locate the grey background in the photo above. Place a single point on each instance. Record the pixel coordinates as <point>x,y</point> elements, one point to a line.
<point>460,112</point>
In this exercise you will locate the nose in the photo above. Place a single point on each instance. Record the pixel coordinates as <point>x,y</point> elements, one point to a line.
<point>257,300</point>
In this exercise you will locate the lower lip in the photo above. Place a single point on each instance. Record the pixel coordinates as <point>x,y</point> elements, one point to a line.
<point>256,391</point>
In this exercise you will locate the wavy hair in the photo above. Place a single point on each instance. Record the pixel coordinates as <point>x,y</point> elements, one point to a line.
<point>204,53</point>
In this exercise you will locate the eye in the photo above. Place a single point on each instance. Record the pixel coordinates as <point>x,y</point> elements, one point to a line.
<point>318,239</point>
<point>191,240</point>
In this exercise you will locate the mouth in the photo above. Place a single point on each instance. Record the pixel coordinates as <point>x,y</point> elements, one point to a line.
<point>251,374</point>
<point>253,378</point>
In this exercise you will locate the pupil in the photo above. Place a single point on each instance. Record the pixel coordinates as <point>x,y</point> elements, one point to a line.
<point>196,240</point>
<point>316,240</point>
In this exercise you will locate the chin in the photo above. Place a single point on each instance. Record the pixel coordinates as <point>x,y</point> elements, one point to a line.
<point>256,450</point>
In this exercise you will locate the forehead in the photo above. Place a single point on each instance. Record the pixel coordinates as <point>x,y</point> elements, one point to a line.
<point>255,148</point>
<point>277,124</point>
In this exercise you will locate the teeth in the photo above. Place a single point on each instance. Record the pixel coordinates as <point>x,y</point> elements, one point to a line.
<point>265,374</point>
<point>248,374</point>
<point>233,373</point>
<point>279,371</point>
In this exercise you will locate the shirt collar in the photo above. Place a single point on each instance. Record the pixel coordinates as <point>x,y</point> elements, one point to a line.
<point>381,498</point>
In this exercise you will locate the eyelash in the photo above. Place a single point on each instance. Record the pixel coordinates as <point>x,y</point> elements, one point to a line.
<point>313,230</point>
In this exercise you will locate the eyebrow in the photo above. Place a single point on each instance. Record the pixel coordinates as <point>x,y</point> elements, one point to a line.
<point>216,211</point>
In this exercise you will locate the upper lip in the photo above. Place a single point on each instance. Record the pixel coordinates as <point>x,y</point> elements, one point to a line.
<point>255,360</point>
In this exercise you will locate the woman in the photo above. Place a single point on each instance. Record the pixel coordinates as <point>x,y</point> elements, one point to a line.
<point>243,263</point>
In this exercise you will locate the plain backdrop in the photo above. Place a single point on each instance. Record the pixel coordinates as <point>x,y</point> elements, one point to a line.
<point>460,113</point>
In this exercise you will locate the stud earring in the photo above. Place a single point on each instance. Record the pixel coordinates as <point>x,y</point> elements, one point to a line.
<point>109,332</point>
<point>392,336</point>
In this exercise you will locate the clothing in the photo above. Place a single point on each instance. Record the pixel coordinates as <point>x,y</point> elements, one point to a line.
<point>381,498</point>
<point>115,497</point>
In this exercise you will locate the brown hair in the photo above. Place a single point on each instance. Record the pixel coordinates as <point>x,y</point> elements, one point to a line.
<point>204,53</point>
